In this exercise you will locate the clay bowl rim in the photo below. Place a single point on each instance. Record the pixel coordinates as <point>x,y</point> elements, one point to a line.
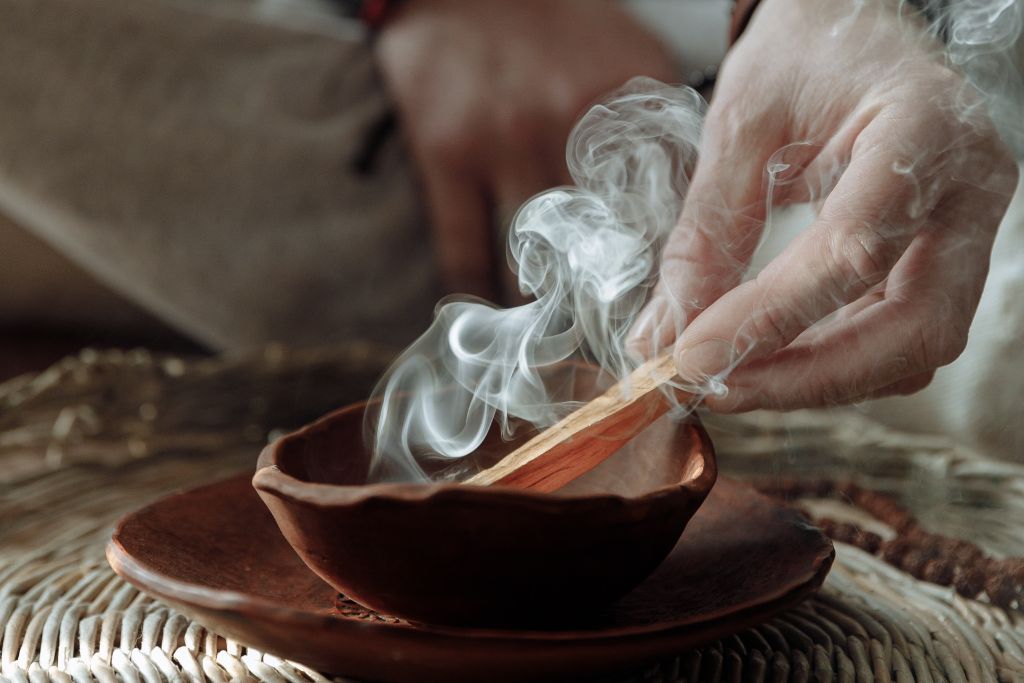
<point>271,478</point>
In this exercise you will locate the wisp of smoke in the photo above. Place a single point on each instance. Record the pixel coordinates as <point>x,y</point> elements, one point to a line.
<point>983,39</point>
<point>586,254</point>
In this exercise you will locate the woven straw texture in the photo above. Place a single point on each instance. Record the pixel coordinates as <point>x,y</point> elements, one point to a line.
<point>101,434</point>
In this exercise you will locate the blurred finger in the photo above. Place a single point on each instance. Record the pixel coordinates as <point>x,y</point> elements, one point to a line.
<point>874,296</point>
<point>461,222</point>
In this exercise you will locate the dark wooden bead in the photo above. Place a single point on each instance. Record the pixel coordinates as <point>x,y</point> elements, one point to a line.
<point>938,571</point>
<point>868,541</point>
<point>969,581</point>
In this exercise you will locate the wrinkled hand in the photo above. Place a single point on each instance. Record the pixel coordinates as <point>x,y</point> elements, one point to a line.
<point>486,91</point>
<point>819,101</point>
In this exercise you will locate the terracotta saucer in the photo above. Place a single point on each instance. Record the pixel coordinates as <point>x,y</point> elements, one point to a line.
<point>216,554</point>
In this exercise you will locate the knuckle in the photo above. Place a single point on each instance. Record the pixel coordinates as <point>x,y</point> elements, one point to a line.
<point>734,125</point>
<point>772,325</point>
<point>816,393</point>
<point>857,260</point>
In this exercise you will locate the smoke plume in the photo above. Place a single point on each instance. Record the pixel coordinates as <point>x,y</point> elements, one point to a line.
<point>586,255</point>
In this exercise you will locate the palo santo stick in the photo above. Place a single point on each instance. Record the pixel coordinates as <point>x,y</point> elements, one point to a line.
<point>584,439</point>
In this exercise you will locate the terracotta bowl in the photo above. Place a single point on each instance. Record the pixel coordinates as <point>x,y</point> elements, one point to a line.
<point>483,556</point>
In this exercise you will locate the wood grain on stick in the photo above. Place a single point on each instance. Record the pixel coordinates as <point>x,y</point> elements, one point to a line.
<point>588,436</point>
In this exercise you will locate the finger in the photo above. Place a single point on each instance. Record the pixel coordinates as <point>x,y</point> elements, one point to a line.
<point>884,348</point>
<point>717,231</point>
<point>890,346</point>
<point>659,324</point>
<point>822,166</point>
<point>863,229</point>
<point>461,224</point>
<point>822,328</point>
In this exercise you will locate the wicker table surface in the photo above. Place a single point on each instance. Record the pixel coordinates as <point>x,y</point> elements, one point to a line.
<point>101,434</point>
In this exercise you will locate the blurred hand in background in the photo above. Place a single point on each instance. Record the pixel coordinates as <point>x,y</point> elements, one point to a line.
<point>855,108</point>
<point>486,92</point>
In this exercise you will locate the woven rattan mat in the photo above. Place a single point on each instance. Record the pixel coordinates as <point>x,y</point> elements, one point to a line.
<point>98,435</point>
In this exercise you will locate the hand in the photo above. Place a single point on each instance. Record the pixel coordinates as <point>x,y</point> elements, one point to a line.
<point>487,91</point>
<point>855,107</point>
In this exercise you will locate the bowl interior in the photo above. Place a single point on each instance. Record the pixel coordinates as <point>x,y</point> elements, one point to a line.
<point>338,454</point>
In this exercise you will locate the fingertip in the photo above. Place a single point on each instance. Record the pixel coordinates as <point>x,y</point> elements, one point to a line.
<point>654,330</point>
<point>703,363</point>
<point>728,402</point>
<point>638,339</point>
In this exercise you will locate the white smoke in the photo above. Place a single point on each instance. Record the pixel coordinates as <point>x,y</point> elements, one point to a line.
<point>587,255</point>
<point>983,39</point>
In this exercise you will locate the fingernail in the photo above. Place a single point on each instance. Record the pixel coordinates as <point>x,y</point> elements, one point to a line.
<point>706,360</point>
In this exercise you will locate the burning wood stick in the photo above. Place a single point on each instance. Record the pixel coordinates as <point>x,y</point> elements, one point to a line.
<point>584,439</point>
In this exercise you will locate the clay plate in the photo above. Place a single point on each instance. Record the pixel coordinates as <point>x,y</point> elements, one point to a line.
<point>483,555</point>
<point>215,553</point>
